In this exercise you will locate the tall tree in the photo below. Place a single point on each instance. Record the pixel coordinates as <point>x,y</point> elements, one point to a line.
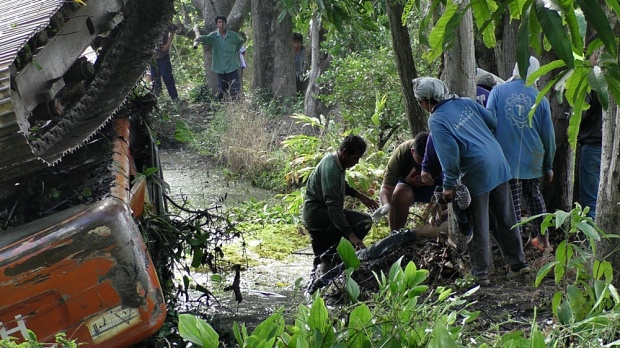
<point>274,68</point>
<point>401,42</point>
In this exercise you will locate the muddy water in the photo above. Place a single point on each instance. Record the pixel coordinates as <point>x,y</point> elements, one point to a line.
<point>264,287</point>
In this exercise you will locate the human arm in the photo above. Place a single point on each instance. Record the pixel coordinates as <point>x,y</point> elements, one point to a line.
<point>166,46</point>
<point>385,199</point>
<point>431,168</point>
<point>547,136</point>
<point>204,39</point>
<point>488,116</point>
<point>367,201</point>
<point>448,151</point>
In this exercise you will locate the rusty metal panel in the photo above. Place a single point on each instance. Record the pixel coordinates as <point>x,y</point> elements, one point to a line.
<point>85,272</point>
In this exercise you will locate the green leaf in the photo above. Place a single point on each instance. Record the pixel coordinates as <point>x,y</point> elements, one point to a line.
<point>440,35</point>
<point>551,24</point>
<point>543,271</point>
<point>347,253</point>
<point>595,16</point>
<point>197,331</point>
<point>523,44</point>
<point>352,288</point>
<point>410,273</point>
<point>481,12</point>
<point>441,337</point>
<point>565,314</point>
<point>597,82</point>
<point>318,316</point>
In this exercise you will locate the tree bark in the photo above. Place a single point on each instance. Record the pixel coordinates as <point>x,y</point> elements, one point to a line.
<point>459,75</point>
<point>310,101</point>
<point>274,67</point>
<point>607,206</point>
<point>459,60</point>
<point>407,71</point>
<point>506,48</point>
<point>559,193</point>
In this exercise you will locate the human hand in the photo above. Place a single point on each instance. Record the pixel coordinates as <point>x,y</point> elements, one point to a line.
<point>447,195</point>
<point>427,178</point>
<point>381,212</point>
<point>357,243</point>
<point>549,175</point>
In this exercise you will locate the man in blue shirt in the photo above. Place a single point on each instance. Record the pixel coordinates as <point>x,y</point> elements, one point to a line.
<point>467,150</point>
<point>529,147</point>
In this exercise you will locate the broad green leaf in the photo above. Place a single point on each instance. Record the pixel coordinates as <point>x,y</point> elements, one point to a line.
<point>318,319</point>
<point>535,34</point>
<point>564,313</point>
<point>197,331</point>
<point>481,12</point>
<point>543,271</point>
<point>551,24</point>
<point>352,288</point>
<point>537,340</point>
<point>440,35</point>
<point>595,16</point>
<point>441,337</point>
<point>360,317</point>
<point>560,217</point>
<point>555,302</point>
<point>588,230</point>
<point>410,272</point>
<point>347,253</point>
<point>523,44</point>
<point>597,82</point>
<point>570,17</point>
<point>615,5</point>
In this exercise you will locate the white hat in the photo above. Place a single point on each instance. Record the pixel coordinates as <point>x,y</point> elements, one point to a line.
<point>534,65</point>
<point>429,87</point>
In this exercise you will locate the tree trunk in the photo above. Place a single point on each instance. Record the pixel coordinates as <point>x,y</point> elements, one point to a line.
<point>559,193</point>
<point>459,60</point>
<point>506,48</point>
<point>401,42</point>
<point>235,13</point>
<point>274,68</point>
<point>459,74</point>
<point>607,207</point>
<point>310,101</point>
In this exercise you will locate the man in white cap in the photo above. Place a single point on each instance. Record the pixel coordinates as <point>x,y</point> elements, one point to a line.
<point>529,147</point>
<point>464,142</point>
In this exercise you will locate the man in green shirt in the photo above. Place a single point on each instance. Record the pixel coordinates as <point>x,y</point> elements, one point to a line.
<point>225,57</point>
<point>323,212</point>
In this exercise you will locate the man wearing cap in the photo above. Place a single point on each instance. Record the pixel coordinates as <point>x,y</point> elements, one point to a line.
<point>464,142</point>
<point>225,61</point>
<point>529,146</point>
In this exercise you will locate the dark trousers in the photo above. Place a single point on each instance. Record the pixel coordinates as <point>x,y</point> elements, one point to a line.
<point>163,70</point>
<point>228,85</point>
<point>326,238</point>
<point>499,205</point>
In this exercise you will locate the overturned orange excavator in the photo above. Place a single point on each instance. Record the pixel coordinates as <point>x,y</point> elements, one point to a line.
<point>72,139</point>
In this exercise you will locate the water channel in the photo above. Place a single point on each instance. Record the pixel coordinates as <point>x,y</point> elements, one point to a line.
<point>266,284</point>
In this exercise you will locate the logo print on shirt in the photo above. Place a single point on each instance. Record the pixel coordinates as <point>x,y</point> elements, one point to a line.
<point>466,114</point>
<point>517,109</point>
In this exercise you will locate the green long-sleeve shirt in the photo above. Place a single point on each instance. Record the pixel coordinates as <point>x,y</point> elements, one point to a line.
<point>225,57</point>
<point>325,192</point>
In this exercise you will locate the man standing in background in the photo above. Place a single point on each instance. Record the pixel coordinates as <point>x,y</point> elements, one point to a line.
<point>529,147</point>
<point>162,67</point>
<point>226,45</point>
